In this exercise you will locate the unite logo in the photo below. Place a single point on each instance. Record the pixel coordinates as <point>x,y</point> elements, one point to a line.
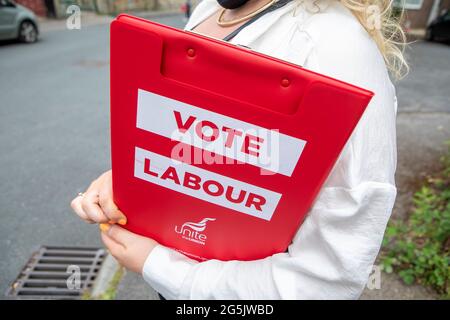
<point>192,231</point>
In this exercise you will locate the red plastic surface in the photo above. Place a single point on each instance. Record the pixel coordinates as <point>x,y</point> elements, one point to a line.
<point>241,84</point>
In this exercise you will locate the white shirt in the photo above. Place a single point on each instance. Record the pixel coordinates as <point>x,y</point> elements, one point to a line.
<point>332,253</point>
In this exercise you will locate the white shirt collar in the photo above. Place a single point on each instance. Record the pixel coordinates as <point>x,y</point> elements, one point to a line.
<point>247,35</point>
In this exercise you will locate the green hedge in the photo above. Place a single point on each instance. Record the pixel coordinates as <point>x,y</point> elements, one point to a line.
<point>418,249</point>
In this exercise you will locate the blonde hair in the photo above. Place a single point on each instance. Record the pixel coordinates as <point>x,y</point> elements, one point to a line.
<point>383,24</point>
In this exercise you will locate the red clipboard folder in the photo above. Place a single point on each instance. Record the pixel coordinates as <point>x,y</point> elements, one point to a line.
<point>219,151</point>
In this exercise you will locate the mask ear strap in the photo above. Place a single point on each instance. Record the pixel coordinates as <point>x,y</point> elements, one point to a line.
<point>276,5</point>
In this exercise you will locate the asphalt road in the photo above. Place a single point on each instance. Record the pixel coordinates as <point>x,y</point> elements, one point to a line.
<point>54,132</point>
<point>54,139</point>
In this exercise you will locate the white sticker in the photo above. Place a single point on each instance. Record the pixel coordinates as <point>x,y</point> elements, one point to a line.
<point>244,142</point>
<point>205,185</point>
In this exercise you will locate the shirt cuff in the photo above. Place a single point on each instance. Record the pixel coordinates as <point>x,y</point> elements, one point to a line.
<point>165,270</point>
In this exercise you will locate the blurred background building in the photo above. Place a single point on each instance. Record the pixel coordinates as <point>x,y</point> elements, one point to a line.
<point>57,8</point>
<point>420,13</point>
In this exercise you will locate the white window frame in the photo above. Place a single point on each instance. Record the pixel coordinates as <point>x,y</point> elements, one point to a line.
<point>408,5</point>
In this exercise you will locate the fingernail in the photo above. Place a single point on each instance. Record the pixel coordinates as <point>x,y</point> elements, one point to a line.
<point>104,227</point>
<point>122,221</point>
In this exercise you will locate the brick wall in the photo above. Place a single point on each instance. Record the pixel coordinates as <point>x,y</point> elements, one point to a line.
<point>444,5</point>
<point>117,6</point>
<point>419,18</point>
<point>37,6</point>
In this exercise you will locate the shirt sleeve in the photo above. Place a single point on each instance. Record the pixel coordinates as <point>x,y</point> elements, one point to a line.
<point>332,254</point>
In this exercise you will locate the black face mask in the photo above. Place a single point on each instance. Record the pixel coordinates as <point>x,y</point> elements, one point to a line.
<point>232,4</point>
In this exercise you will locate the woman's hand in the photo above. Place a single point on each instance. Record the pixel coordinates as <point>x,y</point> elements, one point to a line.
<point>96,205</point>
<point>129,249</point>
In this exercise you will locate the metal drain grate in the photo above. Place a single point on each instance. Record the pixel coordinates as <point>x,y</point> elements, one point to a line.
<point>46,274</point>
